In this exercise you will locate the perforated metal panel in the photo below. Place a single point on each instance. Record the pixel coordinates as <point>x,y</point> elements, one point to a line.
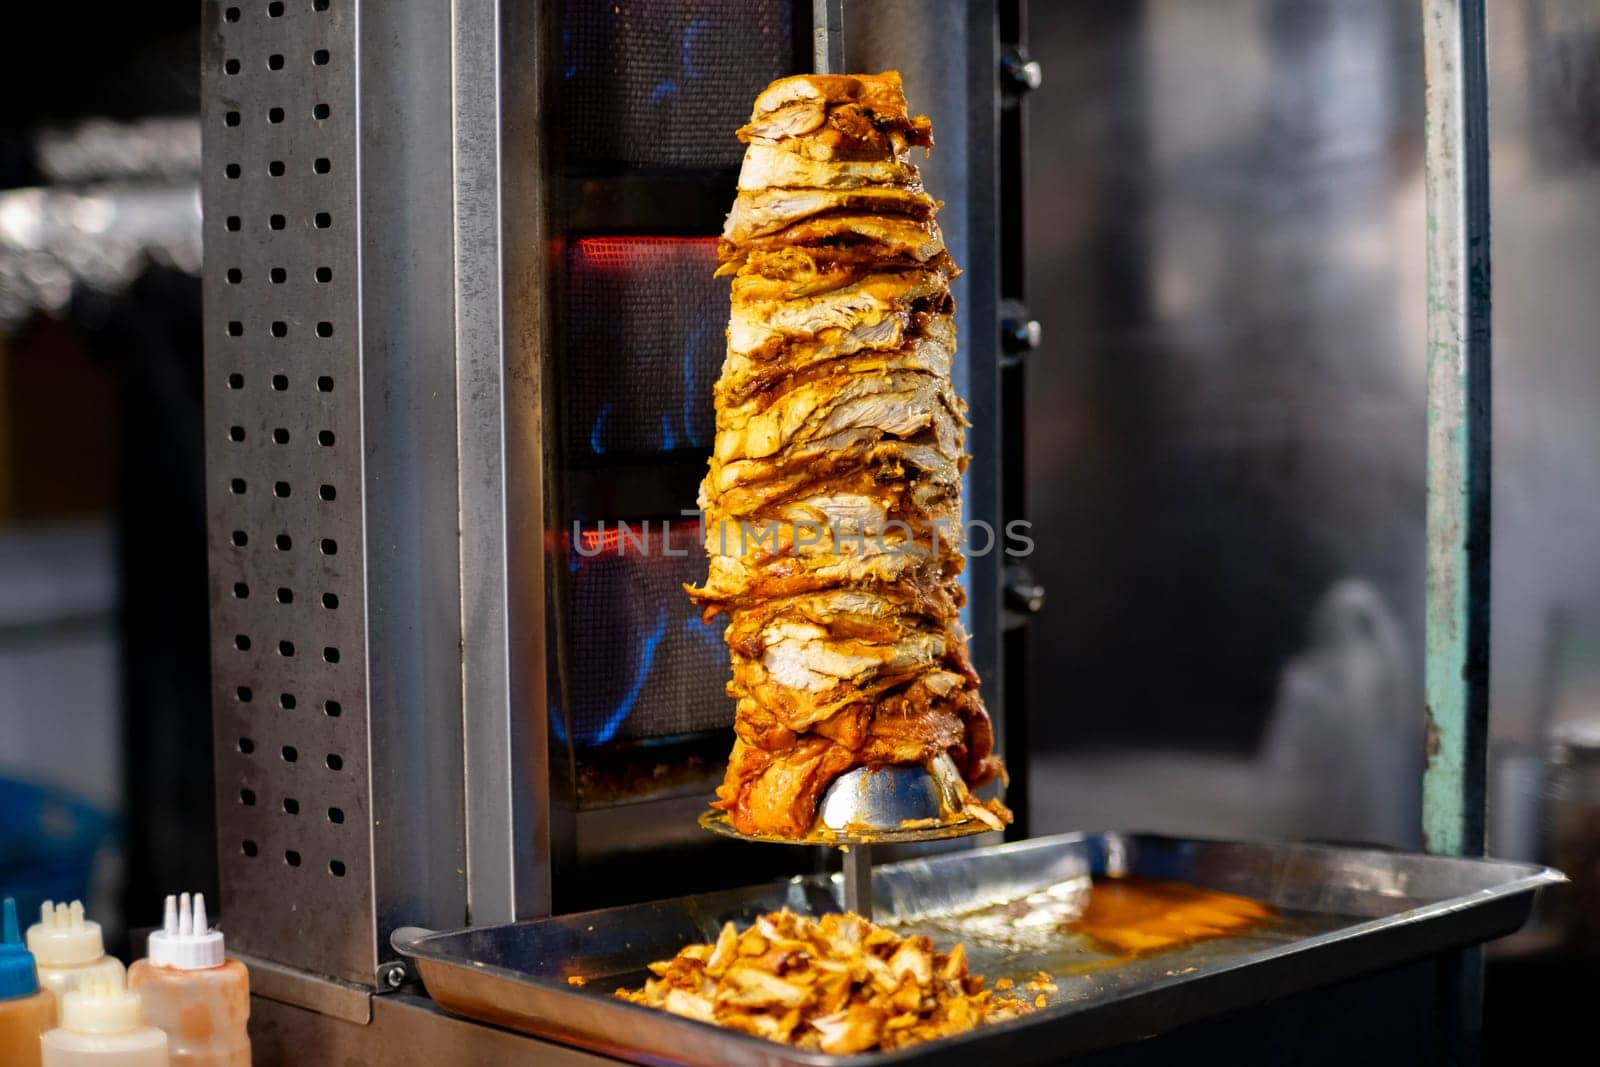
<point>284,492</point>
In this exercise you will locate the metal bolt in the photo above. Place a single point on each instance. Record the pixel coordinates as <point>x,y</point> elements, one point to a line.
<point>1025,598</point>
<point>1018,73</point>
<point>1019,335</point>
<point>394,975</point>
<point>1022,594</point>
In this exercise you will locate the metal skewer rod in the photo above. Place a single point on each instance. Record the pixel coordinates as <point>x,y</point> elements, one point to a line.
<point>827,36</point>
<point>858,880</point>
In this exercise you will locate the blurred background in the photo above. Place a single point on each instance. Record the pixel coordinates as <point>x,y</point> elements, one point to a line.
<point>1225,434</point>
<point>1225,451</point>
<point>105,777</point>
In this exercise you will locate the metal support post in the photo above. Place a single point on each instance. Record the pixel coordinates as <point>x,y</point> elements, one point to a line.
<point>1457,622</point>
<point>1457,672</point>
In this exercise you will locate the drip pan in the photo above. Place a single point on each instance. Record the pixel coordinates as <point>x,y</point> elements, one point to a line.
<point>1339,912</point>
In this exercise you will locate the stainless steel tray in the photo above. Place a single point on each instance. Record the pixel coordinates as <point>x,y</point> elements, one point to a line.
<point>1342,912</point>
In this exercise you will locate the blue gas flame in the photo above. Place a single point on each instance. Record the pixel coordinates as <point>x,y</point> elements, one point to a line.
<point>703,630</point>
<point>599,425</point>
<point>691,388</point>
<point>647,656</point>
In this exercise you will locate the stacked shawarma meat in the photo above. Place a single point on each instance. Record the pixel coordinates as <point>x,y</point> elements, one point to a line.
<point>833,499</point>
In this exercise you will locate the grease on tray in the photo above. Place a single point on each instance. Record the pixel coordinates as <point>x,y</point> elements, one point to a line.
<point>1134,916</point>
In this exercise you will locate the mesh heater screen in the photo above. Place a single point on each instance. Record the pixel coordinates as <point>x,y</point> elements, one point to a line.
<point>644,343</point>
<point>643,664</point>
<point>648,82</point>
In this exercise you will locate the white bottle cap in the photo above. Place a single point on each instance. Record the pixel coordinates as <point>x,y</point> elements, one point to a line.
<point>63,937</point>
<point>100,1006</point>
<point>183,940</point>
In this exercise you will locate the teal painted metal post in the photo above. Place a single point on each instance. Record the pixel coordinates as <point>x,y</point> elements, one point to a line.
<point>1457,618</point>
<point>1458,376</point>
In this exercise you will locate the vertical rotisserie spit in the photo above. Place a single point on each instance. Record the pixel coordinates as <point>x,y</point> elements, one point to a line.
<point>833,500</point>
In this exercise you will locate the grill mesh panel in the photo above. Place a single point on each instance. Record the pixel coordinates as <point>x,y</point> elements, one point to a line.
<point>644,344</point>
<point>643,664</point>
<point>647,82</point>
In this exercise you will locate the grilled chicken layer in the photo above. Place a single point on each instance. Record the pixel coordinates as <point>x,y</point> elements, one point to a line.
<point>833,499</point>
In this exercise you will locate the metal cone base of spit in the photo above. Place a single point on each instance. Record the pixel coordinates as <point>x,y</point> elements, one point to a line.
<point>875,806</point>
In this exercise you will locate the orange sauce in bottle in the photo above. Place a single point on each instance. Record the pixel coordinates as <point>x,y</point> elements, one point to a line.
<point>22,1021</point>
<point>204,1012</point>
<point>192,991</point>
<point>26,1009</point>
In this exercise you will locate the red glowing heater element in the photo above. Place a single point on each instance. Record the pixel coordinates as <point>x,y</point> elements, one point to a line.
<point>644,255</point>
<point>662,538</point>
<point>601,540</point>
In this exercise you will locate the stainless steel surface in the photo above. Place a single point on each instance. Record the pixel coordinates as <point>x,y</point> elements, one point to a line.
<point>827,37</point>
<point>326,996</point>
<point>1545,180</point>
<point>883,798</point>
<point>543,808</point>
<point>857,877</point>
<point>1456,635</point>
<point>408,438</point>
<point>332,486</point>
<point>1343,912</point>
<point>1227,415</point>
<point>499,302</point>
<point>405,1029</point>
<point>1225,419</point>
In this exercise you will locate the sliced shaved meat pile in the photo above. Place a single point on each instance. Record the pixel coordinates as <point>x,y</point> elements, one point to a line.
<point>833,497</point>
<point>836,984</point>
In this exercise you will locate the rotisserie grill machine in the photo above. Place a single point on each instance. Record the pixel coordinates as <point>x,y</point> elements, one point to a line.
<point>461,332</point>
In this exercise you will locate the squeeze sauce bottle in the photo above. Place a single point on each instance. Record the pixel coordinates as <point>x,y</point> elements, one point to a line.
<point>68,948</point>
<point>101,1027</point>
<point>26,1011</point>
<point>193,991</point>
